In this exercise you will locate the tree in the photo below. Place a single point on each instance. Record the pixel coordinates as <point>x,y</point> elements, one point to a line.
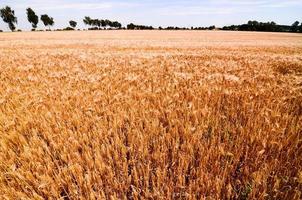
<point>72,23</point>
<point>300,28</point>
<point>32,18</point>
<point>131,26</point>
<point>97,22</point>
<point>47,21</point>
<point>295,26</point>
<point>108,23</point>
<point>103,23</point>
<point>212,27</point>
<point>87,21</point>
<point>8,16</point>
<point>116,24</point>
<point>143,27</point>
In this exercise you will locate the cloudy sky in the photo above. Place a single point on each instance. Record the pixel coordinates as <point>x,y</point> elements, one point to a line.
<point>159,12</point>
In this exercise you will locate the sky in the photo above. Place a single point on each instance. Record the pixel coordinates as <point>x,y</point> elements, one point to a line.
<point>158,12</point>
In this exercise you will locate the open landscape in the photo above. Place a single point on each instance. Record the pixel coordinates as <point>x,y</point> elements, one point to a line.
<point>150,115</point>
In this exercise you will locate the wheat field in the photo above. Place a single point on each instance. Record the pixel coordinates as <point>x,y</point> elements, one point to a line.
<point>150,115</point>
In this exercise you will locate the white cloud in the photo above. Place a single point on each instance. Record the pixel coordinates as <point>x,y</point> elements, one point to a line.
<point>77,6</point>
<point>61,5</point>
<point>194,11</point>
<point>259,3</point>
<point>223,7</point>
<point>283,4</point>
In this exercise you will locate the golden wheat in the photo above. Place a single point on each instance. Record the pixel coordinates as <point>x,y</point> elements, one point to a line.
<point>150,115</point>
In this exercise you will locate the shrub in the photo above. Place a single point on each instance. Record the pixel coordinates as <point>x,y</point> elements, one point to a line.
<point>68,29</point>
<point>93,28</point>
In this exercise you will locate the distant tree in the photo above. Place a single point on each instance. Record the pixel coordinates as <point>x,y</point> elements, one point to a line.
<point>67,29</point>
<point>300,28</point>
<point>251,25</point>
<point>97,22</point>
<point>108,22</point>
<point>212,27</point>
<point>139,27</point>
<point>131,26</point>
<point>103,23</point>
<point>32,18</point>
<point>259,26</point>
<point>93,22</point>
<point>47,21</point>
<point>295,26</point>
<point>87,21</point>
<point>116,24</point>
<point>72,23</point>
<point>160,28</point>
<point>8,16</point>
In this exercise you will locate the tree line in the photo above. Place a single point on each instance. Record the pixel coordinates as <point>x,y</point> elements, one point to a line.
<point>139,27</point>
<point>101,23</point>
<point>265,27</point>
<point>8,16</point>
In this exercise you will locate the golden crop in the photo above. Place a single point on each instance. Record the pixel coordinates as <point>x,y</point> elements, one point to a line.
<point>150,115</point>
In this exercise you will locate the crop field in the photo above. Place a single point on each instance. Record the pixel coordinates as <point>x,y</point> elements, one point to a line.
<point>150,115</point>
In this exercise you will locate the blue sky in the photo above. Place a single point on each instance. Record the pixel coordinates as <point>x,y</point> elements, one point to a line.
<point>160,13</point>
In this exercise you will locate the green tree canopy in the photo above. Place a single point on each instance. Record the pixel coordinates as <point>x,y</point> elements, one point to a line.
<point>96,22</point>
<point>295,26</point>
<point>72,23</point>
<point>108,23</point>
<point>87,21</point>
<point>32,17</point>
<point>8,16</point>
<point>131,26</point>
<point>103,23</point>
<point>116,24</point>
<point>47,21</point>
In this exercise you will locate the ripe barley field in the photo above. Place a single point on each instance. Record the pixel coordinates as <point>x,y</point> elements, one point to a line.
<point>150,115</point>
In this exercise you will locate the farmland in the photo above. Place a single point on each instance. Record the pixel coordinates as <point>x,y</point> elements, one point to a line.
<point>150,115</point>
